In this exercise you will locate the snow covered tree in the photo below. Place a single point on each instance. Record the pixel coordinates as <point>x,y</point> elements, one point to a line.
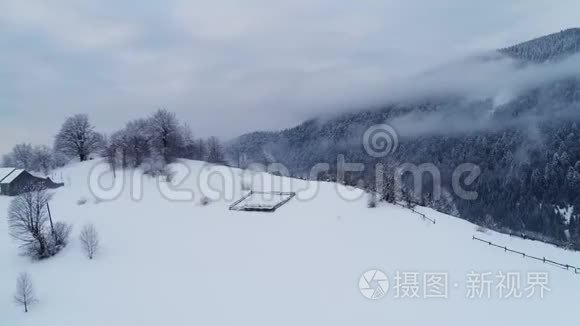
<point>89,240</point>
<point>118,147</point>
<point>21,156</point>
<point>78,138</point>
<point>44,160</point>
<point>32,158</point>
<point>24,295</point>
<point>165,135</point>
<point>215,151</point>
<point>189,150</point>
<point>199,150</point>
<point>408,197</point>
<point>110,155</point>
<point>137,142</point>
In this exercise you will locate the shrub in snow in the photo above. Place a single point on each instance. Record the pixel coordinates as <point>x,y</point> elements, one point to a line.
<point>372,201</point>
<point>24,295</point>
<point>60,235</point>
<point>481,229</point>
<point>204,201</point>
<point>81,201</point>
<point>168,175</point>
<point>157,168</point>
<point>152,169</point>
<point>89,240</point>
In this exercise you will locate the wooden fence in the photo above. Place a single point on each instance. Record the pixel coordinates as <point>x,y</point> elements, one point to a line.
<point>263,209</point>
<point>425,217</point>
<point>544,260</point>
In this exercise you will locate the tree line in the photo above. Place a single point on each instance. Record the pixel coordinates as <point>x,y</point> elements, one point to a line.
<point>153,142</point>
<point>157,141</point>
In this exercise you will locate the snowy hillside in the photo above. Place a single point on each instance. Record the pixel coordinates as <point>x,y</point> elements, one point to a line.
<point>175,263</point>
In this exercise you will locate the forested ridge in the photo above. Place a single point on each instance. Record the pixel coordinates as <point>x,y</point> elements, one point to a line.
<point>528,149</point>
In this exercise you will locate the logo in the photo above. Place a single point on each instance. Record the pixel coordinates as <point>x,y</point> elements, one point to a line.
<point>380,140</point>
<point>373,284</point>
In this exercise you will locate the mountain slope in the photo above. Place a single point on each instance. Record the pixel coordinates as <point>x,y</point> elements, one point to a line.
<point>180,263</point>
<point>524,138</point>
<point>548,48</point>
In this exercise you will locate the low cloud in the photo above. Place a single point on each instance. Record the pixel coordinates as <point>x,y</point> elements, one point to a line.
<point>474,92</point>
<point>230,67</point>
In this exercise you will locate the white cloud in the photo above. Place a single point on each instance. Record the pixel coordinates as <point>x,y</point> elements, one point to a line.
<point>231,66</point>
<point>70,23</point>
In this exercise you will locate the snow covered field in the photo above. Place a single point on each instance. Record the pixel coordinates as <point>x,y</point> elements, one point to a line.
<point>167,262</point>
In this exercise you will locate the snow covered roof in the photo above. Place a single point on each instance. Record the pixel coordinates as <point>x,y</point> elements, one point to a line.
<point>7,175</point>
<point>4,172</point>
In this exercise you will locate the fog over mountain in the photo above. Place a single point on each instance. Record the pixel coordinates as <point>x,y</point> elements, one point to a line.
<point>513,113</point>
<point>230,67</point>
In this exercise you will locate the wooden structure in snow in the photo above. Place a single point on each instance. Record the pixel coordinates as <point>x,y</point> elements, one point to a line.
<point>14,182</point>
<point>260,201</point>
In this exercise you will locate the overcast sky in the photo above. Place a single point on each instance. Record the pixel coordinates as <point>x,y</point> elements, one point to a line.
<point>227,67</point>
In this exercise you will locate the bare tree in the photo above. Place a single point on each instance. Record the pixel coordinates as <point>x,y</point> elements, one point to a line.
<point>137,142</point>
<point>43,159</point>
<point>23,156</point>
<point>110,154</point>
<point>199,150</point>
<point>31,158</point>
<point>27,219</point>
<point>89,240</point>
<point>188,150</point>
<point>77,137</point>
<point>165,134</point>
<point>24,295</point>
<point>118,147</point>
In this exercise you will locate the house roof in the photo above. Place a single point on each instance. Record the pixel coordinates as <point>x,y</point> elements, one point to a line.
<point>4,172</point>
<point>7,175</point>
